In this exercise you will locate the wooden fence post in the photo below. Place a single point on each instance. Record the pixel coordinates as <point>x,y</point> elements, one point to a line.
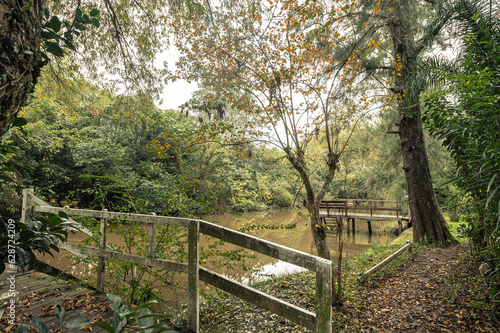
<point>324,276</point>
<point>27,209</point>
<point>152,238</point>
<point>101,264</point>
<point>193,277</point>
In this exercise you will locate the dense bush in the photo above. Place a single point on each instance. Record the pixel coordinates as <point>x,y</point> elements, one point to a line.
<point>465,115</point>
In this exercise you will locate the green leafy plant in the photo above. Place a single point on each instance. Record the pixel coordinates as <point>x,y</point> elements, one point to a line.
<point>464,115</point>
<point>8,149</point>
<point>57,35</point>
<point>19,241</point>
<point>122,321</point>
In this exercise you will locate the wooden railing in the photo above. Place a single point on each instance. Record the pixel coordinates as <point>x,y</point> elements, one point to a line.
<point>362,205</point>
<point>321,321</point>
<point>366,275</point>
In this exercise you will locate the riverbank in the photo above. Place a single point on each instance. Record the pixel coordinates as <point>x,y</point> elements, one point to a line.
<point>434,289</point>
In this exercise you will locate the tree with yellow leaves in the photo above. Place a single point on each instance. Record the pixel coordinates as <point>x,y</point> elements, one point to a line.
<point>268,58</point>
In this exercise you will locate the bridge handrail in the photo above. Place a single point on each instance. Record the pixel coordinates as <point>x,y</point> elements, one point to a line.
<point>345,205</point>
<point>320,322</point>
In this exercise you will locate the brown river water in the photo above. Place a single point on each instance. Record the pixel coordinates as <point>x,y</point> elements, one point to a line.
<point>299,238</point>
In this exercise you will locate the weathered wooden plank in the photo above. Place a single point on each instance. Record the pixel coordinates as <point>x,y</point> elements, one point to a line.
<point>27,208</point>
<point>152,239</point>
<point>324,275</point>
<point>376,208</point>
<point>254,296</point>
<point>143,218</point>
<point>49,291</point>
<point>277,251</point>
<point>194,277</point>
<point>101,263</point>
<point>363,277</point>
<point>131,258</point>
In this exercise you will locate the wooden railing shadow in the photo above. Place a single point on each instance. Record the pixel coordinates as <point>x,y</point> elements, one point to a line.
<point>321,321</point>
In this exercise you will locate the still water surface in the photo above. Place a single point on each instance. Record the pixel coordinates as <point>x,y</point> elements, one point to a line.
<point>298,238</point>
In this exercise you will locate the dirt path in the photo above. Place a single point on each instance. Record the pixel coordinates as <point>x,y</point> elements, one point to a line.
<point>433,292</point>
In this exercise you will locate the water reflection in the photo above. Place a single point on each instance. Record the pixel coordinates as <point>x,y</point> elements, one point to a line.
<point>270,271</point>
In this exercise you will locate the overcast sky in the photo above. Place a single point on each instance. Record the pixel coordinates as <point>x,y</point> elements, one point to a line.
<point>178,92</point>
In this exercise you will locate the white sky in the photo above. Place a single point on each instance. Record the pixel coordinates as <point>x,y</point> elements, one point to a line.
<point>175,93</point>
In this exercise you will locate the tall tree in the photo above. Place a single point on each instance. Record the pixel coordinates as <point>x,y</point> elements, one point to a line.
<point>410,28</point>
<point>20,55</point>
<point>269,60</point>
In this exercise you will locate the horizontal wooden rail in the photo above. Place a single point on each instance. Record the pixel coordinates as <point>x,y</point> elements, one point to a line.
<point>359,204</point>
<point>261,299</point>
<point>363,277</point>
<point>130,258</point>
<point>320,322</point>
<point>143,218</point>
<point>271,249</point>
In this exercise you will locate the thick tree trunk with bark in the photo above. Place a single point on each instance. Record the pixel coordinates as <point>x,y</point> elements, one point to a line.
<point>426,216</point>
<point>20,60</point>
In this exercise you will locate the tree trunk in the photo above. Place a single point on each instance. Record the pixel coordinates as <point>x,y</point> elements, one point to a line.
<point>297,160</point>
<point>20,60</point>
<point>318,231</point>
<point>426,216</point>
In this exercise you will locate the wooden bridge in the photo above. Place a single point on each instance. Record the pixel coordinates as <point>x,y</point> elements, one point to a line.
<point>333,212</point>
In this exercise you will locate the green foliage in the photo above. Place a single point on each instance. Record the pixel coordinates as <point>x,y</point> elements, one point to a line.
<point>118,43</point>
<point>8,150</point>
<point>94,150</point>
<point>142,322</point>
<point>57,35</point>
<point>19,241</point>
<point>464,115</point>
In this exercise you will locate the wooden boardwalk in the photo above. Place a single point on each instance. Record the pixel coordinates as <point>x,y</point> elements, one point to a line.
<point>39,293</point>
<point>333,212</point>
<point>361,216</point>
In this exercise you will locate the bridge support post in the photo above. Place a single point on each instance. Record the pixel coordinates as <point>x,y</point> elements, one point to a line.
<point>348,226</point>
<point>369,228</point>
<point>353,225</point>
